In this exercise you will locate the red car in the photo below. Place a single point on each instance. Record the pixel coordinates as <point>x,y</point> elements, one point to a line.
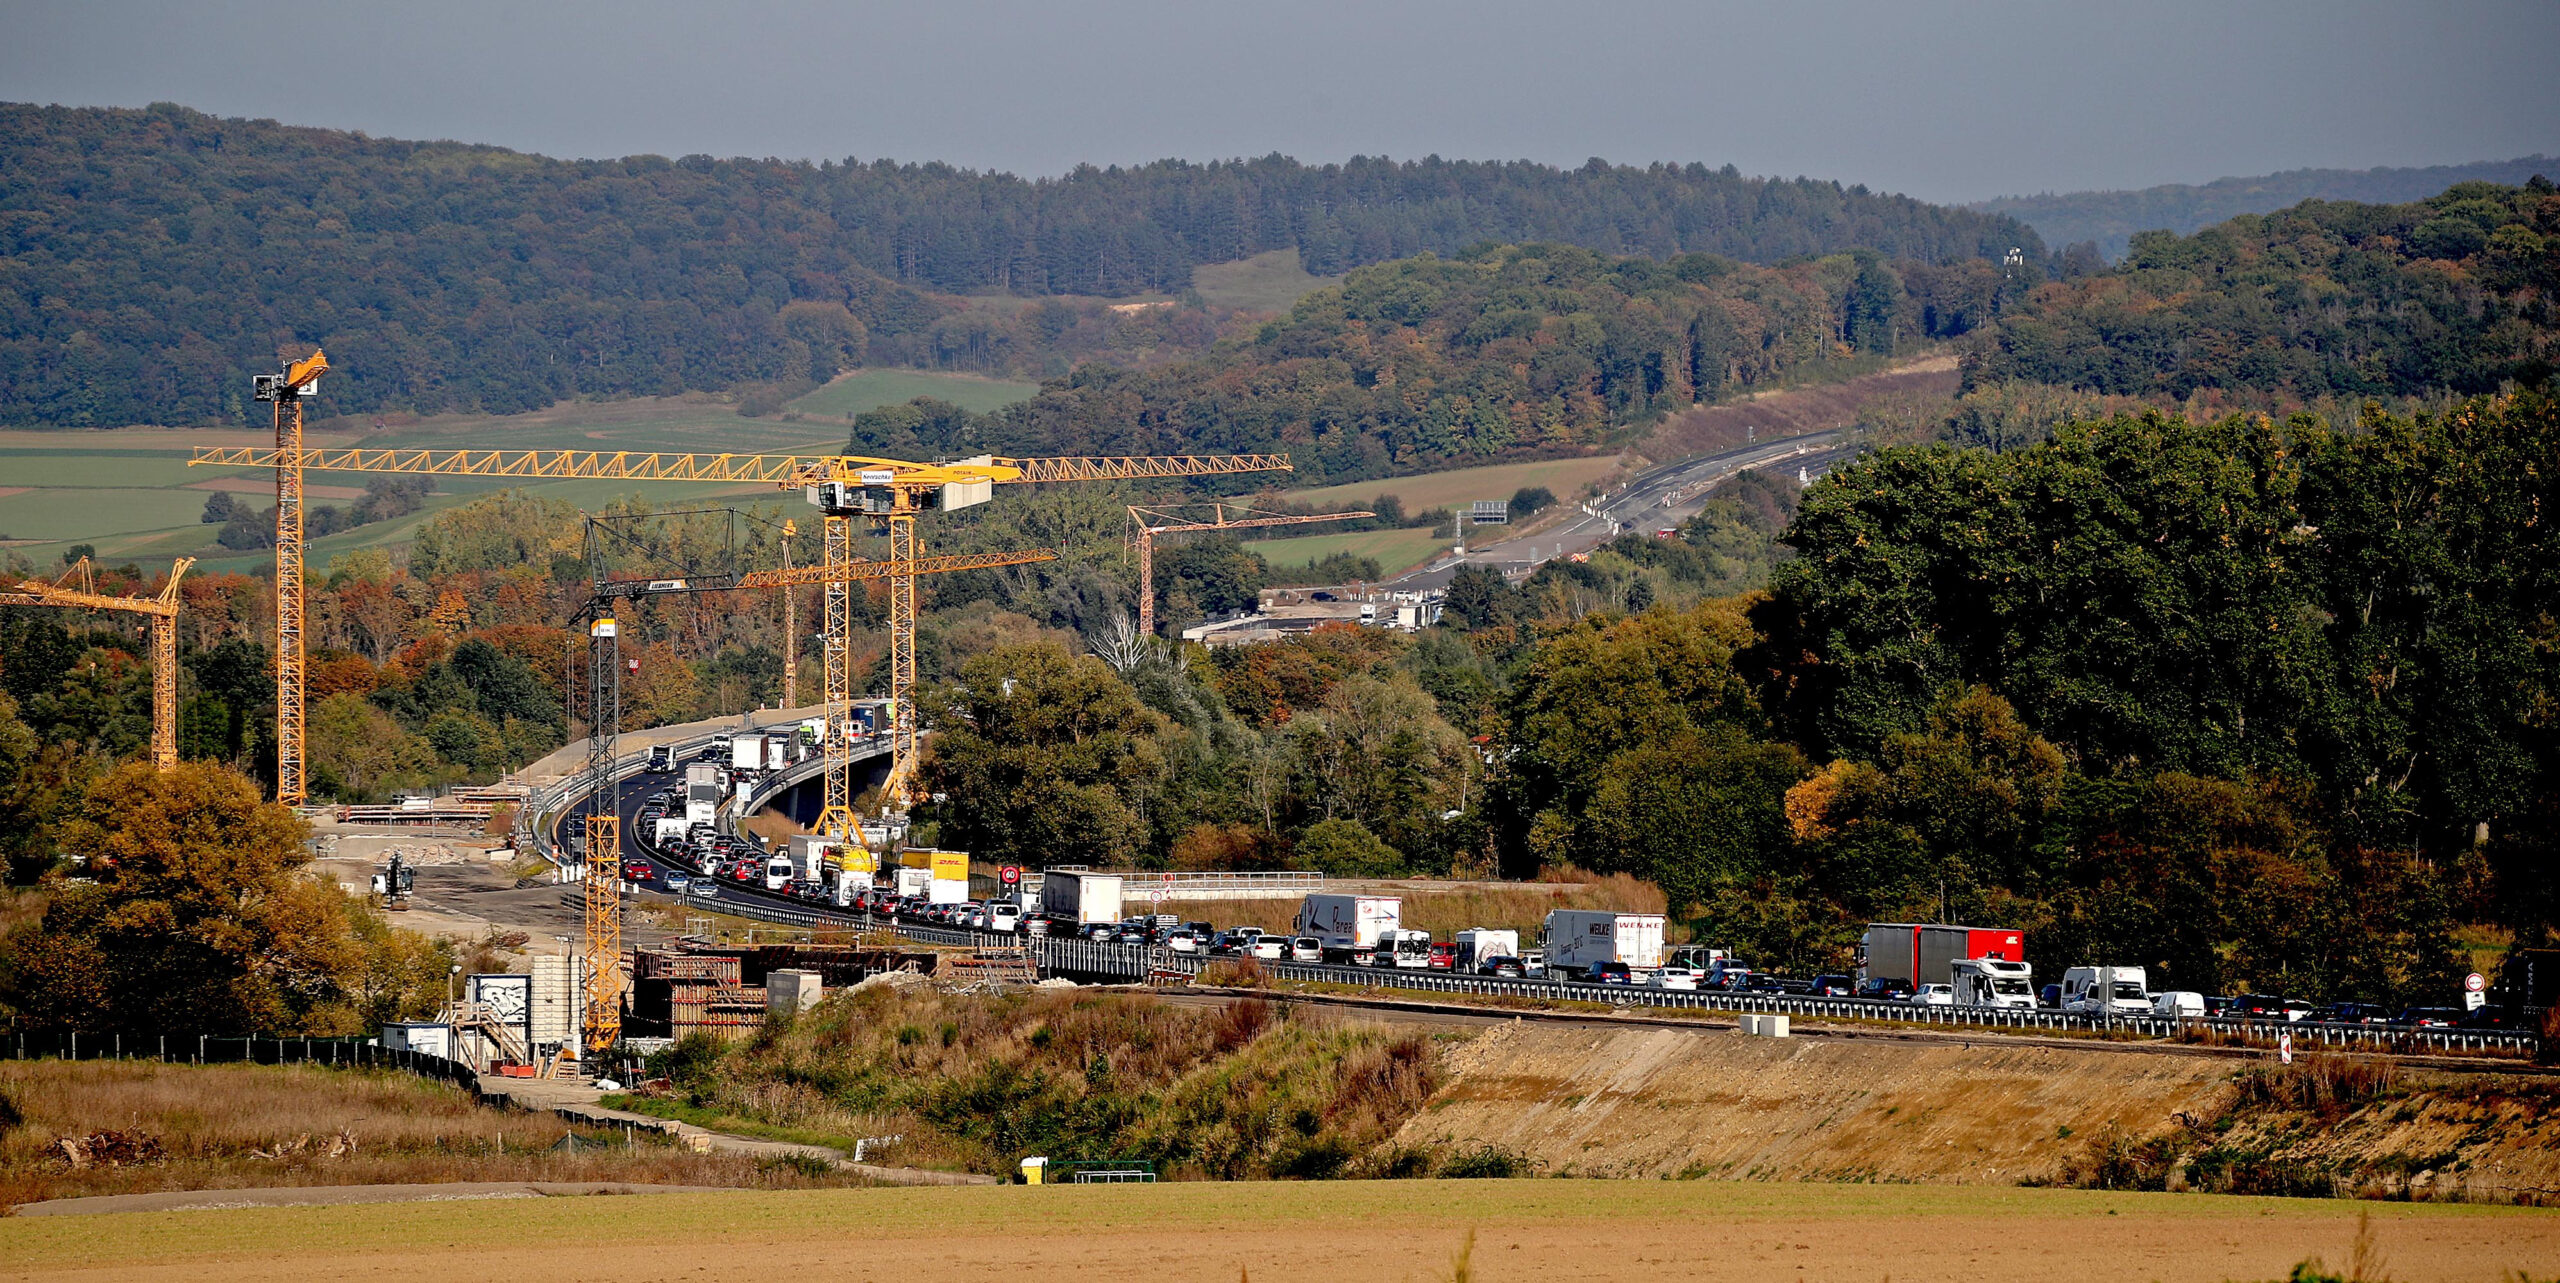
<point>638,871</point>
<point>1444,957</point>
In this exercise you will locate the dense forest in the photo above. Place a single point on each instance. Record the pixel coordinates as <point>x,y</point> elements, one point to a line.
<point>2109,219</point>
<point>1501,351</point>
<point>156,255</point>
<point>2457,292</point>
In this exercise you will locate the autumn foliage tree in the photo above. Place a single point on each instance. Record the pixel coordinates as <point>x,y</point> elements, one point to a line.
<point>203,918</point>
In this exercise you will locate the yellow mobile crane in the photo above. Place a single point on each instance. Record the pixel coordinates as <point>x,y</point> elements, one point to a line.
<point>163,613</point>
<point>888,494</point>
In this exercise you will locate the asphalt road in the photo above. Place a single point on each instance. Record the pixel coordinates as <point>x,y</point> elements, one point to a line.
<point>1657,498</point>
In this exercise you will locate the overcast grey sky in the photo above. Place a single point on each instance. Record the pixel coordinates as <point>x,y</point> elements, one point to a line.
<point>1944,101</point>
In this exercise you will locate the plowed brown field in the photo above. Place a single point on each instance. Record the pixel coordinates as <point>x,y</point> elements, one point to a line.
<point>1376,1233</point>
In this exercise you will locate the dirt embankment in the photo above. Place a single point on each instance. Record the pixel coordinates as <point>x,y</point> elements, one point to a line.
<point>1669,1103</point>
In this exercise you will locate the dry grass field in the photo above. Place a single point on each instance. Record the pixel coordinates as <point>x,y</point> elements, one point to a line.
<point>1385,1231</point>
<point>242,1126</point>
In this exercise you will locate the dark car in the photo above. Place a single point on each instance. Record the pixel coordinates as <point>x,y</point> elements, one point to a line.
<point>1501,966</point>
<point>1828,986</point>
<point>1880,989</point>
<point>1763,982</point>
<point>2217,1006</point>
<point>2491,1018</point>
<point>2050,996</point>
<point>2350,1013</point>
<point>1608,973</point>
<point>2258,1006</point>
<point>2428,1018</point>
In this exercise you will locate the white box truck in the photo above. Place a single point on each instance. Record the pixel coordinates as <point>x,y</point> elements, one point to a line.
<point>2106,991</point>
<point>1081,898</point>
<point>915,882</point>
<point>1578,939</point>
<point>746,752</point>
<point>1475,944</point>
<point>1347,923</point>
<point>671,830</point>
<point>702,790</point>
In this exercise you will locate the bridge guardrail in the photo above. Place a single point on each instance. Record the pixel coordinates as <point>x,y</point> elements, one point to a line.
<point>1136,963</point>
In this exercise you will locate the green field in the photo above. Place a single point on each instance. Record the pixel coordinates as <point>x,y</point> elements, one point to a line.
<point>869,389</point>
<point>1565,477</point>
<point>1395,549</point>
<point>126,491</point>
<point>1271,282</point>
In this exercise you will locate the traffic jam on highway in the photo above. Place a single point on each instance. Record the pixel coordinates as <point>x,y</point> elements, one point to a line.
<point>1900,967</point>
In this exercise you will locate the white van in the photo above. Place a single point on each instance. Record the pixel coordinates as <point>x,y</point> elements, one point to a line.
<point>2178,1004</point>
<point>2105,991</point>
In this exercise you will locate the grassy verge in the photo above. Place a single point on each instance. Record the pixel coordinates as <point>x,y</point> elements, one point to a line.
<point>189,1127</point>
<point>976,1083</point>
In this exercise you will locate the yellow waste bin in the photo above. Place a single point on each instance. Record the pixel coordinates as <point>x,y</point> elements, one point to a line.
<point>1031,1169</point>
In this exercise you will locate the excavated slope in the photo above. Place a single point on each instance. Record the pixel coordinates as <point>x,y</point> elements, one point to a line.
<point>1663,1102</point>
<point>1670,1103</point>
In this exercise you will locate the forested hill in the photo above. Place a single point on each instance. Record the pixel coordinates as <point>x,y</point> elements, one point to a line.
<point>152,256</point>
<point>2460,291</point>
<point>1499,352</point>
<point>2111,218</point>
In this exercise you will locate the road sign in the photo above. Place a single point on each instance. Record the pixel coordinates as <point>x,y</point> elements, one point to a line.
<point>2284,1046</point>
<point>1011,875</point>
<point>2473,983</point>
<point>2474,1001</point>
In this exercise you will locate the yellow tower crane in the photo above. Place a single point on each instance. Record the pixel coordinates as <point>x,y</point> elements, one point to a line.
<point>163,613</point>
<point>1156,521</point>
<point>286,390</point>
<point>887,493</point>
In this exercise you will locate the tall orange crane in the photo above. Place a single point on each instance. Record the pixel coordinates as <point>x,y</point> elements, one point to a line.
<point>1156,521</point>
<point>163,613</point>
<point>287,390</point>
<point>888,494</point>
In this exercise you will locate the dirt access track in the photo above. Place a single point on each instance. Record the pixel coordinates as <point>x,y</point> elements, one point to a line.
<point>1523,1230</point>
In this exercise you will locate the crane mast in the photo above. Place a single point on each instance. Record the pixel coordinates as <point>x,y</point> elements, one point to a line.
<point>162,611</point>
<point>286,391</point>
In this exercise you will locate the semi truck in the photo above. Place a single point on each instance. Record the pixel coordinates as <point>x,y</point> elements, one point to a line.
<point>1916,954</point>
<point>1343,924</point>
<point>1579,939</point>
<point>702,789</point>
<point>1081,898</point>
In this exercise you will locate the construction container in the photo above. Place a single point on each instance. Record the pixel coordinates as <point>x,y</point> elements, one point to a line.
<point>427,1038</point>
<point>791,992</point>
<point>557,1015</point>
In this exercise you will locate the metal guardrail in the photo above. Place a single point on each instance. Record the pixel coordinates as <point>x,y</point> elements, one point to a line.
<point>1286,881</point>
<point>1134,963</point>
<point>213,1049</point>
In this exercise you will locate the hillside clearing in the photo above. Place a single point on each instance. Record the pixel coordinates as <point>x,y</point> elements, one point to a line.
<point>1563,477</point>
<point>1395,549</point>
<point>870,389</point>
<point>1270,282</point>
